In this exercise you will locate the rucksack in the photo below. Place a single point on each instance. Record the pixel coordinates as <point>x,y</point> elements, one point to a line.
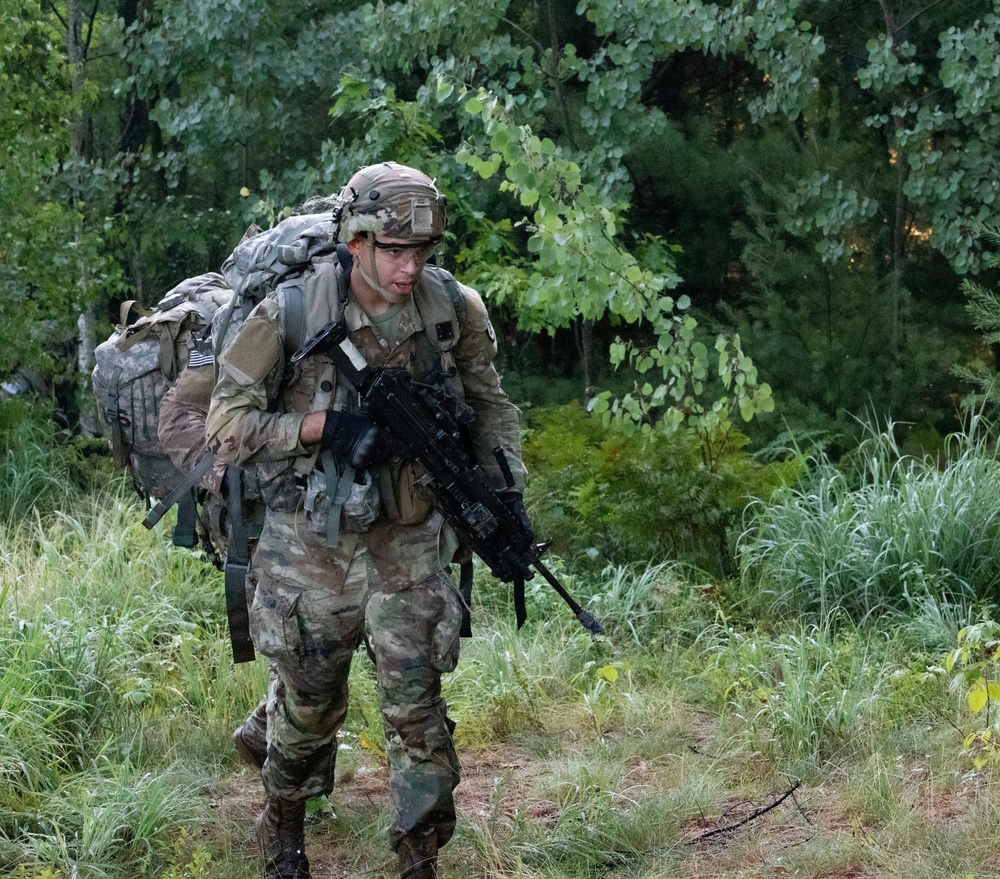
<point>263,259</point>
<point>138,363</point>
<point>141,361</point>
<point>143,357</point>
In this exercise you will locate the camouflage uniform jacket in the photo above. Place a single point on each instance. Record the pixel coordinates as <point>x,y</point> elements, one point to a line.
<point>181,427</point>
<point>259,401</point>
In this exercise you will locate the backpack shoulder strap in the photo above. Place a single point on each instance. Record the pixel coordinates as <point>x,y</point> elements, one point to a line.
<point>294,306</point>
<point>220,329</point>
<point>458,301</point>
<point>443,308</point>
<point>294,317</point>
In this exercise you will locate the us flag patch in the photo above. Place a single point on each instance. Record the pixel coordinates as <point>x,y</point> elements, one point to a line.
<point>201,354</point>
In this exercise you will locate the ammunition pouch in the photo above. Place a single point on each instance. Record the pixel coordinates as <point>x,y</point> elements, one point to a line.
<point>405,498</point>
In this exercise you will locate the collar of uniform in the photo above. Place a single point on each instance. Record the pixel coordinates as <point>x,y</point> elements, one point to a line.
<point>357,317</point>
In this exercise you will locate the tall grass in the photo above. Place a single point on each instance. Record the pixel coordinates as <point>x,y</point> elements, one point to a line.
<point>118,693</point>
<point>116,819</point>
<point>106,651</point>
<point>901,532</point>
<point>802,695</point>
<point>37,474</point>
<point>508,679</point>
<point>645,603</point>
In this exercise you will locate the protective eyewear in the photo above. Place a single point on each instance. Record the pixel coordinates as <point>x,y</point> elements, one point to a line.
<point>401,253</point>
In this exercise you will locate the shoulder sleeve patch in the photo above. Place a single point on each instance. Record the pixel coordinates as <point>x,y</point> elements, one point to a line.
<point>255,351</point>
<point>477,318</point>
<point>201,354</point>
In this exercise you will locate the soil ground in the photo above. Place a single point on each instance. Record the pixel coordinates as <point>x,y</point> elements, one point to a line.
<point>747,838</point>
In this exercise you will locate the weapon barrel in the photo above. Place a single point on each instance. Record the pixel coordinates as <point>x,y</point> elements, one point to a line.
<point>586,619</point>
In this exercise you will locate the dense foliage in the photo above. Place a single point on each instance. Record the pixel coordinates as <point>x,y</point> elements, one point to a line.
<point>615,495</point>
<point>627,177</point>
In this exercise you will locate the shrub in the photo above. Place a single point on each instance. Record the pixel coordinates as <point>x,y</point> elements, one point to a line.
<point>620,495</point>
<point>41,466</point>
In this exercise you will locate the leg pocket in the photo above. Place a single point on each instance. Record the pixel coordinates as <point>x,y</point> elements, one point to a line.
<point>447,630</point>
<point>415,634</point>
<point>274,620</point>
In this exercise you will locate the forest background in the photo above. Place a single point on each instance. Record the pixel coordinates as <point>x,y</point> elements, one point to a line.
<point>805,176</point>
<point>739,258</point>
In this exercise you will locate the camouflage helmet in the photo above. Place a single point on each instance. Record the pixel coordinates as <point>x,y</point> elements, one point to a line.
<point>391,200</point>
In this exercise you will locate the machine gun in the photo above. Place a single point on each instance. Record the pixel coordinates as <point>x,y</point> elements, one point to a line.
<point>431,434</point>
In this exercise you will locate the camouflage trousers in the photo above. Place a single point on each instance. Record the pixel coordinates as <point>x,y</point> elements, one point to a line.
<point>312,606</point>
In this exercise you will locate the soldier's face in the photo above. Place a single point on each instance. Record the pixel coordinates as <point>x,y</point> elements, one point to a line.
<point>399,262</point>
<point>387,269</point>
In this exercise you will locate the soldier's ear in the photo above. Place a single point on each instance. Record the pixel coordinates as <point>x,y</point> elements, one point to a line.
<point>354,245</point>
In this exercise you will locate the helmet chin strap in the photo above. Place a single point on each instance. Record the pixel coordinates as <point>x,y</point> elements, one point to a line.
<point>372,281</point>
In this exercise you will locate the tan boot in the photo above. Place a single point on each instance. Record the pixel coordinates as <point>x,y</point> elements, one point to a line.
<point>250,739</point>
<point>418,856</point>
<point>280,831</point>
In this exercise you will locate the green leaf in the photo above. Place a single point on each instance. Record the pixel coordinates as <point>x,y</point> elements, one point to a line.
<point>608,673</point>
<point>954,656</point>
<point>445,88</point>
<point>978,697</point>
<point>599,403</point>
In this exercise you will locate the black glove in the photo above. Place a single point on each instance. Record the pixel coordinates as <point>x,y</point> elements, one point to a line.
<point>350,436</point>
<point>358,439</point>
<point>514,501</point>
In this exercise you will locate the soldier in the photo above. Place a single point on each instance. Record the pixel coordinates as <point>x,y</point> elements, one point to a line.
<point>351,548</point>
<point>181,430</point>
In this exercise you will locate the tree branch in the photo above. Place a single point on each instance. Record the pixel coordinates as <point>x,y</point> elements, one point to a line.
<point>753,816</point>
<point>90,31</point>
<point>55,13</point>
<point>918,13</point>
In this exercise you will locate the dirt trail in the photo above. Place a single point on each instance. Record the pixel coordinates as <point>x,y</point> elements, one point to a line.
<point>505,781</point>
<point>493,779</point>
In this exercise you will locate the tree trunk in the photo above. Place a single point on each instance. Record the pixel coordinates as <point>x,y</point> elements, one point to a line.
<point>900,208</point>
<point>583,334</point>
<point>75,57</point>
<point>87,320</point>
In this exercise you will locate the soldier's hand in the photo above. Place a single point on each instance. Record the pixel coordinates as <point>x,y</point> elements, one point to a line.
<point>350,436</point>
<point>358,439</point>
<point>514,501</point>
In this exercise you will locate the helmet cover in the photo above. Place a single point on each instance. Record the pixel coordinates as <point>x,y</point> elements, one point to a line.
<point>392,200</point>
